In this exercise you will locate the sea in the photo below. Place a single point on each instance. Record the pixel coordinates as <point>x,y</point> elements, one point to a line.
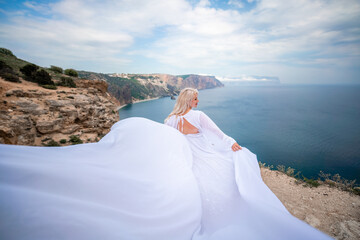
<point>310,128</point>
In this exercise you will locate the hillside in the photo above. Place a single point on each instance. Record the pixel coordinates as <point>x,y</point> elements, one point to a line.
<point>51,108</point>
<point>326,208</point>
<point>128,88</point>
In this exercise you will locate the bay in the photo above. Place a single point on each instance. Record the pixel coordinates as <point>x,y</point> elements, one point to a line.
<point>306,127</point>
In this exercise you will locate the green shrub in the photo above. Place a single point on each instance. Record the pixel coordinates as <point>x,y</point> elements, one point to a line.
<point>67,82</point>
<point>52,143</point>
<point>10,77</point>
<point>33,74</point>
<point>46,139</point>
<point>4,66</point>
<point>29,70</point>
<point>75,140</point>
<point>42,77</point>
<point>56,69</point>
<point>263,165</point>
<point>52,87</point>
<point>6,52</point>
<point>71,72</point>
<point>290,171</point>
<point>356,190</point>
<point>311,182</point>
<point>281,168</point>
<point>63,141</point>
<point>8,73</point>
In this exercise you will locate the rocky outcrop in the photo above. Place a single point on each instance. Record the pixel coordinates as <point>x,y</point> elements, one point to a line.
<point>192,80</point>
<point>32,115</point>
<point>128,88</point>
<point>326,207</point>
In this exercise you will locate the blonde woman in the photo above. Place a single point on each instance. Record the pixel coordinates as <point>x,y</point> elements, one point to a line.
<point>187,100</point>
<point>233,195</point>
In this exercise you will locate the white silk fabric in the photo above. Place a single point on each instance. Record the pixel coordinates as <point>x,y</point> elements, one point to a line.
<point>143,180</point>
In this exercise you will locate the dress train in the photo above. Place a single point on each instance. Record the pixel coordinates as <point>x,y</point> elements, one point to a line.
<point>138,182</point>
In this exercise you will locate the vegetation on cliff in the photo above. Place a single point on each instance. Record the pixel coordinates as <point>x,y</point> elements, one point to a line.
<point>13,68</point>
<point>32,112</point>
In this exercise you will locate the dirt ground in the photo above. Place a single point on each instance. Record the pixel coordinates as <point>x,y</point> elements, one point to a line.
<point>333,211</point>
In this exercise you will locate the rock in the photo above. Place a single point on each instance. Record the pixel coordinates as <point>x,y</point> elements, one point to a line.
<point>29,93</point>
<point>22,129</point>
<point>37,94</point>
<point>49,126</point>
<point>6,132</point>
<point>82,100</point>
<point>15,92</point>
<point>312,220</point>
<point>28,106</point>
<point>92,123</point>
<point>347,230</point>
<point>25,104</point>
<point>55,104</point>
<point>92,90</point>
<point>69,113</point>
<point>70,129</point>
<point>31,115</point>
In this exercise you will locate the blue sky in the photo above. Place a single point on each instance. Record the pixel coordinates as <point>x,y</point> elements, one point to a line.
<point>298,41</point>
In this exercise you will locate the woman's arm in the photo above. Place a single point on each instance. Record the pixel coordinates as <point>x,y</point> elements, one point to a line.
<point>208,124</point>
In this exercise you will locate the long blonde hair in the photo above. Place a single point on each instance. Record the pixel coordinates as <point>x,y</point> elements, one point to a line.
<point>183,101</point>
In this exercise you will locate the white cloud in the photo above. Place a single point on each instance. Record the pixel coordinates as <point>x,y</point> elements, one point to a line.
<point>247,78</point>
<point>304,34</point>
<point>44,8</point>
<point>296,32</point>
<point>236,3</point>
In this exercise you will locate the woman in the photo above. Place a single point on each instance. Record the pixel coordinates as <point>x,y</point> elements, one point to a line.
<point>233,194</point>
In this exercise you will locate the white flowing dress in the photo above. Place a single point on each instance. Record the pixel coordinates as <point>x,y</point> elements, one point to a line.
<point>233,195</point>
<point>143,180</point>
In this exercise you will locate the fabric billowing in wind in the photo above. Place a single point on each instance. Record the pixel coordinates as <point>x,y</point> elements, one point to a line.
<point>141,181</point>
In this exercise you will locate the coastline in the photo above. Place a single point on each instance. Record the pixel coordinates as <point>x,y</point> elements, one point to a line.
<point>136,101</point>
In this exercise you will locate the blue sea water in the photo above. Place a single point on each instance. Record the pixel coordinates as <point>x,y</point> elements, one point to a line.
<point>307,127</point>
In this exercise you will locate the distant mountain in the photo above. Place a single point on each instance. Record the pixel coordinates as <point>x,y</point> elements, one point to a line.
<point>128,88</point>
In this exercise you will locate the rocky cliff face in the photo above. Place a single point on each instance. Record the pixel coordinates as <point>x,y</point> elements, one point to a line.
<point>128,88</point>
<point>192,80</point>
<point>32,115</point>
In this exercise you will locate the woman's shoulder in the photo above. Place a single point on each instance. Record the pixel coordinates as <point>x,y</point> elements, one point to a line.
<point>170,118</point>
<point>197,112</point>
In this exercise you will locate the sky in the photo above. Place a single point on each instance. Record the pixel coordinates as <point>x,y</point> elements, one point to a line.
<point>295,41</point>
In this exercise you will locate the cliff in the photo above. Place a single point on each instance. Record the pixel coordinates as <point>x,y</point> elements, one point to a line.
<point>128,88</point>
<point>326,208</point>
<point>33,115</point>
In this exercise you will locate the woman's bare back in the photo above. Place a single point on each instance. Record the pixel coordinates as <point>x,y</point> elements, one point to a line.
<point>186,128</point>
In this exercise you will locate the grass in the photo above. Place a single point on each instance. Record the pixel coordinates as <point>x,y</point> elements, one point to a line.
<point>52,87</point>
<point>14,62</point>
<point>74,139</point>
<point>323,179</point>
<point>184,76</point>
<point>52,143</point>
<point>17,63</point>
